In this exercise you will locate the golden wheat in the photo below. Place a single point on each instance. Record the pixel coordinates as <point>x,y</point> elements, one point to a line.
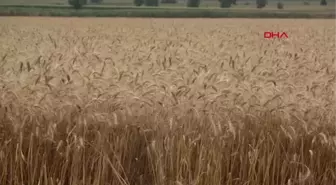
<point>163,101</point>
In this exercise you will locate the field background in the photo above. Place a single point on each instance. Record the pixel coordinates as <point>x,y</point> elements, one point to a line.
<point>208,8</point>
<point>296,4</point>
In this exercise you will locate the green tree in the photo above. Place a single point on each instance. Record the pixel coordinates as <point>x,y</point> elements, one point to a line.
<point>152,2</point>
<point>280,5</point>
<point>77,4</point>
<point>169,1</point>
<point>138,2</point>
<point>323,3</point>
<point>225,3</point>
<point>261,3</point>
<point>193,3</point>
<point>96,1</point>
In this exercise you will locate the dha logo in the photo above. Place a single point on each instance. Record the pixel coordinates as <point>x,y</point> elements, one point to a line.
<point>271,35</point>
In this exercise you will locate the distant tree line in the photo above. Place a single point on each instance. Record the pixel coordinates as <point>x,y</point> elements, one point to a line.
<point>190,3</point>
<point>77,4</point>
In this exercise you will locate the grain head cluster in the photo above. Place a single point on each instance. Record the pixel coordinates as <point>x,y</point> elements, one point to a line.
<point>166,102</point>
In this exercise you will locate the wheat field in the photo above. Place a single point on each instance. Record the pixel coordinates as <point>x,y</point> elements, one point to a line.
<point>88,101</point>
